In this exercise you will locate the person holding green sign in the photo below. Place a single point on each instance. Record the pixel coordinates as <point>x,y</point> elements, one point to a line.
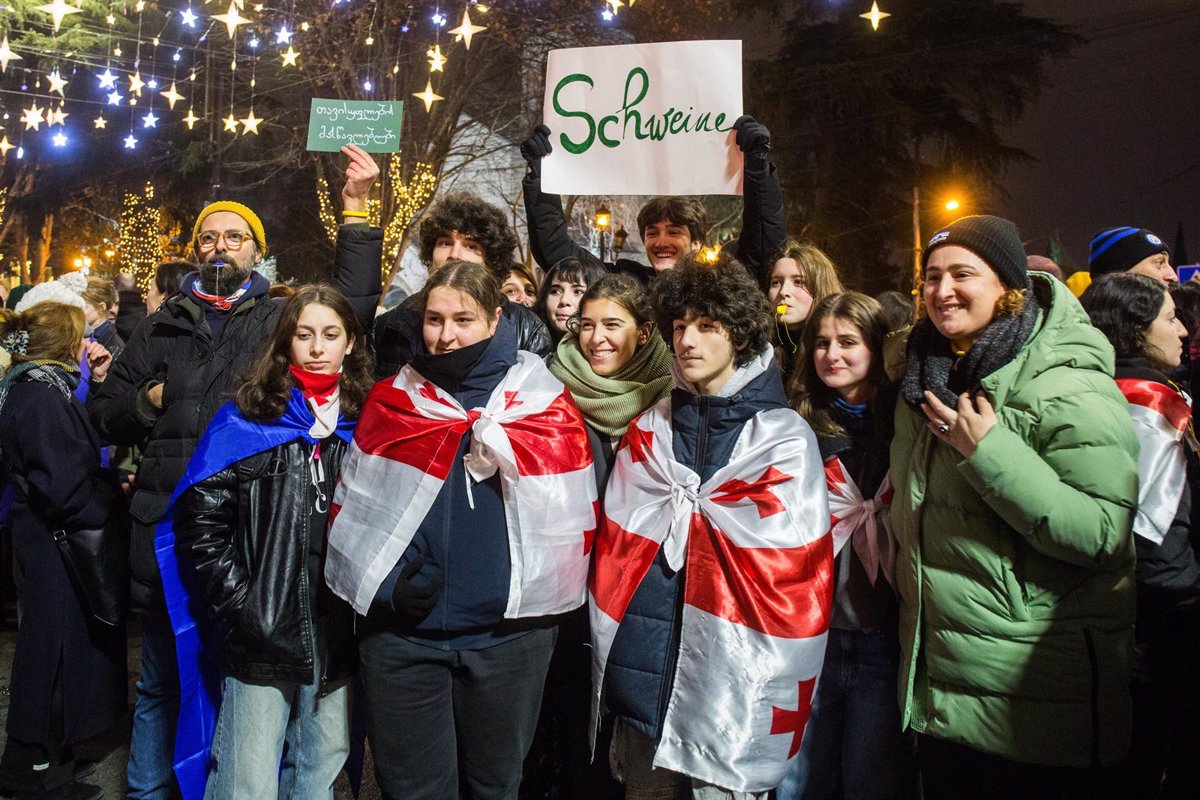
<point>670,227</point>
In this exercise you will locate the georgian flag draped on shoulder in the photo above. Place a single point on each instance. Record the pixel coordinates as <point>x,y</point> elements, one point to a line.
<point>1161,421</point>
<point>757,555</point>
<point>861,522</point>
<point>406,441</point>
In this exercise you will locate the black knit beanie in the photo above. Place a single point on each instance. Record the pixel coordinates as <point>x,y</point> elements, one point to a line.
<point>997,241</point>
<point>1119,249</point>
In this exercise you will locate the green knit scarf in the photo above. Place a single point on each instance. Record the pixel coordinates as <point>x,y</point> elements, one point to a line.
<point>609,404</point>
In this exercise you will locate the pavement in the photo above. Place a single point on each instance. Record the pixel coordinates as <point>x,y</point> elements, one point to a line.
<point>111,751</point>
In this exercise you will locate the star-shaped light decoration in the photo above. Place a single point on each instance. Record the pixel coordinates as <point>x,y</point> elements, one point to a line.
<point>172,96</point>
<point>59,139</point>
<point>107,79</point>
<point>231,18</point>
<point>283,35</point>
<point>250,123</point>
<point>188,17</point>
<point>231,122</point>
<point>615,5</point>
<point>114,98</point>
<point>130,142</point>
<point>289,57</point>
<point>191,119</point>
<point>111,19</point>
<point>57,116</point>
<point>6,54</point>
<point>100,123</point>
<point>59,9</point>
<point>136,83</point>
<point>875,15</point>
<point>466,30</point>
<point>428,96</point>
<point>5,146</point>
<point>140,6</point>
<point>57,84</point>
<point>32,117</point>
<point>436,59</point>
<point>150,121</point>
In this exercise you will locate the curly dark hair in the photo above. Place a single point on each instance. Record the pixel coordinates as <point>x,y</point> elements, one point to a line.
<point>1123,305</point>
<point>721,290</point>
<point>471,216</point>
<point>267,385</point>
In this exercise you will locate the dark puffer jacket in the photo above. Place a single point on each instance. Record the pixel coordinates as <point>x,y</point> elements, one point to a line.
<point>641,664</point>
<point>249,531</point>
<point>397,333</point>
<point>175,346</point>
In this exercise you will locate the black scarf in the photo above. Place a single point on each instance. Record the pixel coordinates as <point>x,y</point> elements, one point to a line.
<point>932,365</point>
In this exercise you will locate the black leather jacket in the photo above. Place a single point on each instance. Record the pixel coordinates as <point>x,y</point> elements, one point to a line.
<point>247,531</point>
<point>398,331</point>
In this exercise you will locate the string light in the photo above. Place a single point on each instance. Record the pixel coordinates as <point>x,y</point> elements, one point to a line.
<point>140,247</point>
<point>325,210</point>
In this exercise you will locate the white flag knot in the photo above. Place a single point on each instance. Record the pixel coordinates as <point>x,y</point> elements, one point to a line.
<point>490,451</point>
<point>865,523</point>
<point>685,499</point>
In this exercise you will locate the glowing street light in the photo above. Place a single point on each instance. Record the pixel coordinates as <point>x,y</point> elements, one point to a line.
<point>952,205</point>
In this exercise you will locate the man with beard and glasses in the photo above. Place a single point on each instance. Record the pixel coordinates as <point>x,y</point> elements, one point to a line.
<point>182,364</point>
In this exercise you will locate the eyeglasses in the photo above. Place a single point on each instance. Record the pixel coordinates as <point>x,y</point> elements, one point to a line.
<point>233,239</point>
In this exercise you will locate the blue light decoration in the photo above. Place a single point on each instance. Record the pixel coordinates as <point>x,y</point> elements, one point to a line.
<point>439,19</point>
<point>254,43</point>
<point>607,15</point>
<point>20,152</point>
<point>59,139</point>
<point>283,35</point>
<point>367,85</point>
<point>189,17</point>
<point>130,142</point>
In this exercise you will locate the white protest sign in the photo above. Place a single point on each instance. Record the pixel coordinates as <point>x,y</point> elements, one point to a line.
<point>644,119</point>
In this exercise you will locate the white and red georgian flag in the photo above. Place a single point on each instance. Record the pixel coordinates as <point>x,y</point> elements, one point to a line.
<point>404,447</point>
<point>861,522</point>
<point>758,587</point>
<point>1161,419</point>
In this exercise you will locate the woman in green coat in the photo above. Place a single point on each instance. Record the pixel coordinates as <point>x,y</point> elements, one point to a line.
<point>1015,469</point>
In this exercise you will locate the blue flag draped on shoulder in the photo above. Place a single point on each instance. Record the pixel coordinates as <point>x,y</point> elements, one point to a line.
<point>230,437</point>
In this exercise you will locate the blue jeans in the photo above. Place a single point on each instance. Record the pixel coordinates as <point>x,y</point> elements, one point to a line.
<point>853,738</point>
<point>257,720</point>
<point>155,714</point>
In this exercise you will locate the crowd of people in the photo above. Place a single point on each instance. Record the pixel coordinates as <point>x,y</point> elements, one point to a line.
<point>712,528</point>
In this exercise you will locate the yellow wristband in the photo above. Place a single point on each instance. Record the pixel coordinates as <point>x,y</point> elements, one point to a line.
<point>362,214</point>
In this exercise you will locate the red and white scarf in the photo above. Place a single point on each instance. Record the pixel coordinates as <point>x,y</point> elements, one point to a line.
<point>758,586</point>
<point>862,522</point>
<point>407,438</point>
<point>1161,422</point>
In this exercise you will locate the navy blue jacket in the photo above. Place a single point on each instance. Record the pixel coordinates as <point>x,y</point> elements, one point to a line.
<point>641,664</point>
<point>464,548</point>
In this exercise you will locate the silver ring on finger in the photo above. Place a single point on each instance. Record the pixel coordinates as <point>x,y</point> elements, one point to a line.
<point>943,428</point>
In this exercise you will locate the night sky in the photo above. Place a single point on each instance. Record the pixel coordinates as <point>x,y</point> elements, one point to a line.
<point>1117,137</point>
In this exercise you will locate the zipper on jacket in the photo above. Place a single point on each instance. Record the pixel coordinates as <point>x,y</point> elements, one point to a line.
<point>305,536</point>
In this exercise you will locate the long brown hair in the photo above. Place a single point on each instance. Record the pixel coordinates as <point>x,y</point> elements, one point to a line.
<point>267,387</point>
<point>474,280</point>
<point>54,330</point>
<point>809,395</point>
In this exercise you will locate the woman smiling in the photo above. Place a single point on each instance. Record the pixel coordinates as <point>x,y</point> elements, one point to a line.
<point>1014,464</point>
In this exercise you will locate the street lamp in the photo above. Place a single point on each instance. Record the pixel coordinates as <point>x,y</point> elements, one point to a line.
<point>952,205</point>
<point>603,224</point>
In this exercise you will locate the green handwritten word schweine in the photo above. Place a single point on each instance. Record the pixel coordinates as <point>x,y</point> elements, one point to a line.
<point>365,138</point>
<point>360,114</point>
<point>655,126</point>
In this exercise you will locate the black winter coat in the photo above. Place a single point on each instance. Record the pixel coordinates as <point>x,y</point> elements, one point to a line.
<point>48,441</point>
<point>764,228</point>
<point>248,531</point>
<point>130,311</point>
<point>175,346</point>
<point>397,333</point>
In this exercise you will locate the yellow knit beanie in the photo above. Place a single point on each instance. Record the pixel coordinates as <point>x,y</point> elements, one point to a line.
<point>256,226</point>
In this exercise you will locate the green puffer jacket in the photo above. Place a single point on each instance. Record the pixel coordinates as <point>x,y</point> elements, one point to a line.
<point>1015,570</point>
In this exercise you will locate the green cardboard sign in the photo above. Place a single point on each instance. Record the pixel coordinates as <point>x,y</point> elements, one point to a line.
<point>372,125</point>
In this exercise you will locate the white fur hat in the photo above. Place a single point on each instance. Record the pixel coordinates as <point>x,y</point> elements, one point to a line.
<point>67,289</point>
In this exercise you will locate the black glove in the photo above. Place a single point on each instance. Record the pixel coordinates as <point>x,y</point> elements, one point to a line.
<point>536,147</point>
<point>411,602</point>
<point>752,137</point>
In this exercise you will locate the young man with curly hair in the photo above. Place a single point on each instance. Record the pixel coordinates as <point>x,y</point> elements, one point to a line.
<point>458,227</point>
<point>711,581</point>
<point>670,227</point>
